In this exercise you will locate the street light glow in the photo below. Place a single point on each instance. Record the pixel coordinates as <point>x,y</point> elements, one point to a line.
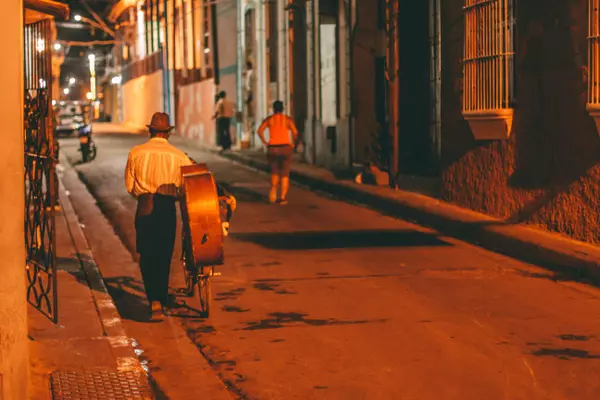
<point>92,58</point>
<point>72,81</point>
<point>89,95</point>
<point>66,90</point>
<point>77,17</point>
<point>57,46</point>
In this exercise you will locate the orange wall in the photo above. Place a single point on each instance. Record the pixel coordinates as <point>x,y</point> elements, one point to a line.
<point>142,97</point>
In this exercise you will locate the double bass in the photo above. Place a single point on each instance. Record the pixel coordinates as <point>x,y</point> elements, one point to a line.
<point>201,216</point>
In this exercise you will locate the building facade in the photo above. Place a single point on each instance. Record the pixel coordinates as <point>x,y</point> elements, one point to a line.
<point>26,78</point>
<point>167,61</point>
<point>519,139</point>
<point>496,99</point>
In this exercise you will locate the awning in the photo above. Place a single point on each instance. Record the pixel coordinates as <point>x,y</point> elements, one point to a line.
<point>54,8</point>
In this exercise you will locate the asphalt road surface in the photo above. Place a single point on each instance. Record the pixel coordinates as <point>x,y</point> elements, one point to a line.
<point>321,299</point>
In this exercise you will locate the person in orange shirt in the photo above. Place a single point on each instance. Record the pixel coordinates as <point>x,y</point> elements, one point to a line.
<point>283,135</point>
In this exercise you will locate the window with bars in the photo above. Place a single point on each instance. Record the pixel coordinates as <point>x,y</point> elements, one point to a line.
<point>488,67</point>
<point>208,57</point>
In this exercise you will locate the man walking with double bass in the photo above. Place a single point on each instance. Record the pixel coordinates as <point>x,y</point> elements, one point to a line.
<point>153,175</point>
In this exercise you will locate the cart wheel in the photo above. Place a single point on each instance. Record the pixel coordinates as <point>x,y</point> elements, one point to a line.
<point>204,291</point>
<point>188,275</point>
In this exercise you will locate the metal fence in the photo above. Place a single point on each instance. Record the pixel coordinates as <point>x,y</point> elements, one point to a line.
<point>41,152</point>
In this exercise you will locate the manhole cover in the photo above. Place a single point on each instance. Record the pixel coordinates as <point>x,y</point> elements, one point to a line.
<point>99,384</point>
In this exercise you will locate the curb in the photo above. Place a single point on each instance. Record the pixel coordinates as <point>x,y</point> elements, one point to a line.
<point>570,259</point>
<point>107,310</point>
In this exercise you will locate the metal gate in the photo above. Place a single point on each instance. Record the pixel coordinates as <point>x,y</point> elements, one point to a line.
<point>40,170</point>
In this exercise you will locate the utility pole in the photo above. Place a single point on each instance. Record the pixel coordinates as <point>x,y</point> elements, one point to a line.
<point>312,83</point>
<point>261,67</point>
<point>166,65</point>
<point>240,67</point>
<point>282,52</point>
<point>14,346</point>
<point>393,78</point>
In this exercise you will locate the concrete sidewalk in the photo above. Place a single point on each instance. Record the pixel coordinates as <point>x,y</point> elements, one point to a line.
<point>570,259</point>
<point>88,350</point>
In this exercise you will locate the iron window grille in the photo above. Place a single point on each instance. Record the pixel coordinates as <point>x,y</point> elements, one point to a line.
<point>489,57</point>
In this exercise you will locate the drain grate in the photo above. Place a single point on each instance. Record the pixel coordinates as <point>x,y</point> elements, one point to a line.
<point>99,384</point>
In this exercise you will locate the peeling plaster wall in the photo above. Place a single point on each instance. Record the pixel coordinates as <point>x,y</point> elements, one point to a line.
<point>547,173</point>
<point>195,110</point>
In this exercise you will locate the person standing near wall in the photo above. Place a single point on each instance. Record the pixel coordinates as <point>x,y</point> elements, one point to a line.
<point>224,113</point>
<point>280,149</point>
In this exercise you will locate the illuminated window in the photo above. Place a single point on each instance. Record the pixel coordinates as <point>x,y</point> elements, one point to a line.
<point>188,25</point>
<point>488,67</point>
<point>197,25</point>
<point>207,35</point>
<point>179,43</point>
<point>141,31</point>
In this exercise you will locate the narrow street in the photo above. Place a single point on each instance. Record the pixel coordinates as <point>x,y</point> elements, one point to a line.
<point>321,299</point>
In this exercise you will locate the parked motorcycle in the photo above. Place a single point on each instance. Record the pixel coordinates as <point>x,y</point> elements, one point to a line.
<point>87,147</point>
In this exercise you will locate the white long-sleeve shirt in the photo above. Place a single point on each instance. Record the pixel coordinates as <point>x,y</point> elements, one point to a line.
<point>155,167</point>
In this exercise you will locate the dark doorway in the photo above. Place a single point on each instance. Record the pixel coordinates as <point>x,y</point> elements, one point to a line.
<point>418,138</point>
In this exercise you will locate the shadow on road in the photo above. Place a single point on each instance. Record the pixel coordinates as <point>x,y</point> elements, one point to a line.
<point>565,354</point>
<point>278,320</point>
<point>322,240</point>
<point>127,293</point>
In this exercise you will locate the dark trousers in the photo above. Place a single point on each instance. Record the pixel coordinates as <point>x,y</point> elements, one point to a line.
<point>224,133</point>
<point>155,225</point>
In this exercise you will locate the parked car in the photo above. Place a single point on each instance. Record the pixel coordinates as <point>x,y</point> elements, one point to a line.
<point>69,118</point>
